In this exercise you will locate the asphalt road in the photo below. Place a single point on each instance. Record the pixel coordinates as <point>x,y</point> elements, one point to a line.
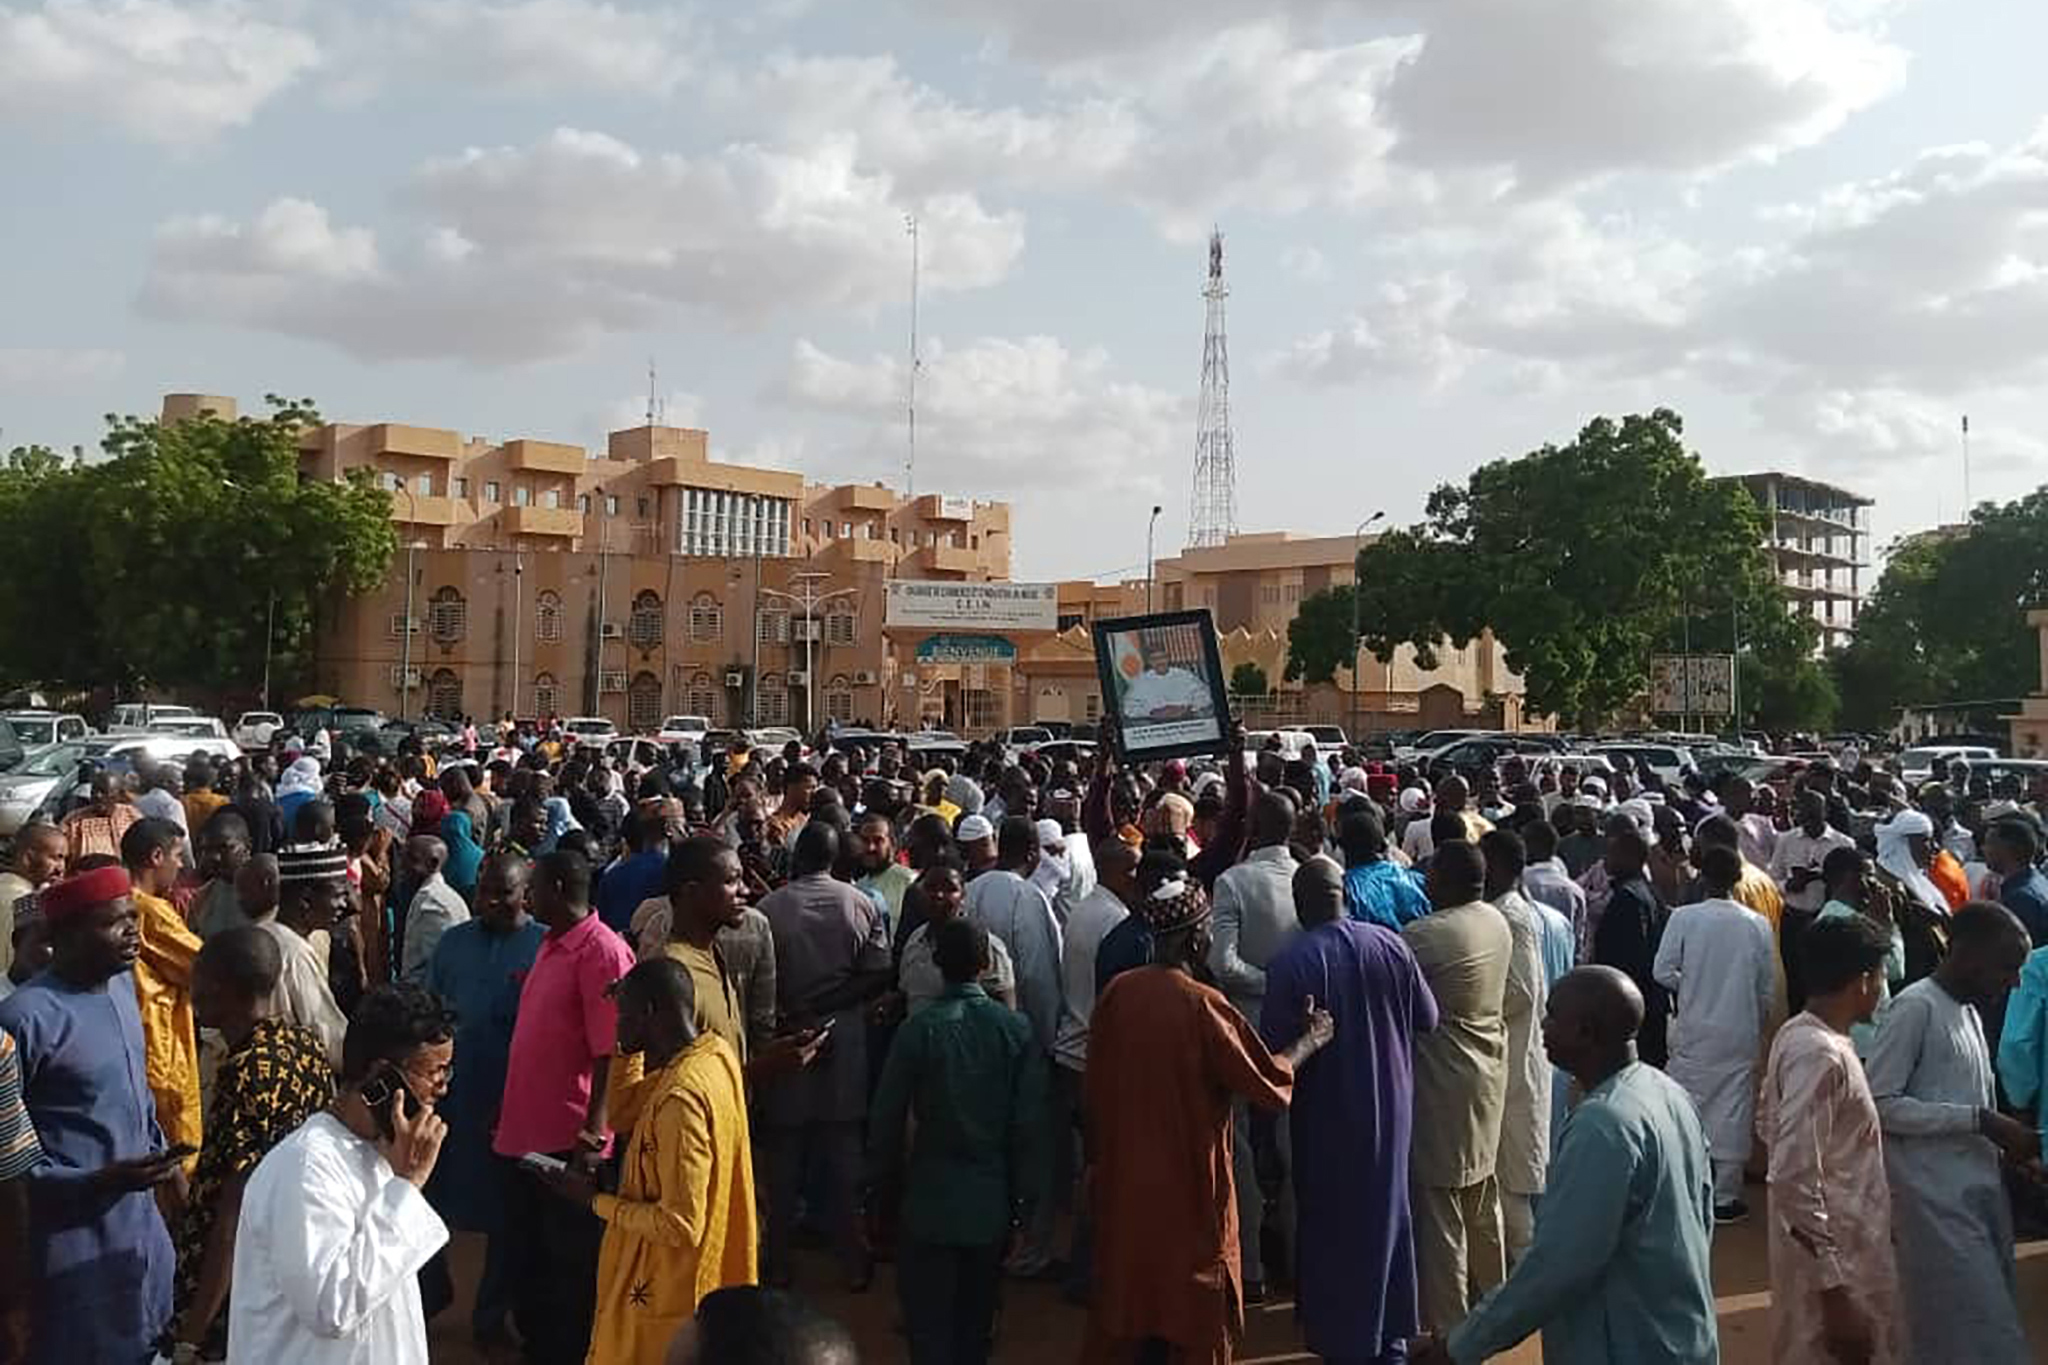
<point>1038,1327</point>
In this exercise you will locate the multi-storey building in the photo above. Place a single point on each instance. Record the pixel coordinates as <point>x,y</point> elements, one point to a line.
<point>1253,585</point>
<point>537,577</point>
<point>1818,536</point>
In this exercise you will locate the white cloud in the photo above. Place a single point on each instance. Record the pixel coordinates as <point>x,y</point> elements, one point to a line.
<point>1010,416</point>
<point>1557,91</point>
<point>923,138</point>
<point>1406,334</point>
<point>536,47</point>
<point>164,72</point>
<point>532,252</point>
<point>1305,263</point>
<point>30,367</point>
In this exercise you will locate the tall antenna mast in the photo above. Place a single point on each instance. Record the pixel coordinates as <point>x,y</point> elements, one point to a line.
<point>916,364</point>
<point>654,404</point>
<point>1212,517</point>
<point>1967,503</point>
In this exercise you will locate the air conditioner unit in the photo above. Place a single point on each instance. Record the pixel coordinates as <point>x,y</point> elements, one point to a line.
<point>401,624</point>
<point>735,679</point>
<point>864,677</point>
<point>611,630</point>
<point>614,681</point>
<point>799,678</point>
<point>403,677</point>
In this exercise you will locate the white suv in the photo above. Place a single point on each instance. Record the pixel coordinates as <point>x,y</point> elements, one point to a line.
<point>677,729</point>
<point>254,729</point>
<point>591,731</point>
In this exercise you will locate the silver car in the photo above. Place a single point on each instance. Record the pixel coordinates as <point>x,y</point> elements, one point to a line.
<point>28,786</point>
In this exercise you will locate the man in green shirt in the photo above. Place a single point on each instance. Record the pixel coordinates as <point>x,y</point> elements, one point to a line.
<point>969,1071</point>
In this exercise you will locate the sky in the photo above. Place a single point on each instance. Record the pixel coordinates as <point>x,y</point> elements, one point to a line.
<point>1455,231</point>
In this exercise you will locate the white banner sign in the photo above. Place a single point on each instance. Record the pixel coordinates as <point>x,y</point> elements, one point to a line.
<point>1692,684</point>
<point>956,509</point>
<point>974,606</point>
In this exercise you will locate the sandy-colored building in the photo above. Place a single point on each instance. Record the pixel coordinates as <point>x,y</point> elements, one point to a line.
<point>1253,585</point>
<point>640,581</point>
<point>2030,723</point>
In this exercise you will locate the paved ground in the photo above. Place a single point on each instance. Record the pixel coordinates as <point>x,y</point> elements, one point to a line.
<point>1038,1328</point>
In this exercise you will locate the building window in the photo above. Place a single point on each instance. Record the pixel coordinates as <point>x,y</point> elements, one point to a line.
<point>547,617</point>
<point>978,705</point>
<point>462,487</point>
<point>423,484</point>
<point>771,700</point>
<point>846,529</point>
<point>389,482</point>
<point>491,491</point>
<point>640,506</point>
<point>583,504</point>
<point>807,525</point>
<point>611,504</point>
<point>713,522</point>
<point>522,496</point>
<point>841,627</point>
<point>704,699</point>
<point>828,529</point>
<point>447,616</point>
<point>444,694</point>
<point>1069,619</point>
<point>1091,710</point>
<point>643,704</point>
<point>551,498</point>
<point>546,694</point>
<point>839,699</point>
<point>707,618</point>
<point>643,627</point>
<point>771,626</point>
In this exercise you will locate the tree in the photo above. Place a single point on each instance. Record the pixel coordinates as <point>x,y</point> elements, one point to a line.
<point>1584,560</point>
<point>1249,680</point>
<point>177,558</point>
<point>1947,619</point>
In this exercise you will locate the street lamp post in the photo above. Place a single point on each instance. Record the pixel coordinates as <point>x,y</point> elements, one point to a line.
<point>1150,526</point>
<point>405,636</point>
<point>810,599</point>
<point>1357,536</point>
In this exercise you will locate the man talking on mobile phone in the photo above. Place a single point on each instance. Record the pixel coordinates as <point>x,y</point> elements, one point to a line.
<point>333,1228</point>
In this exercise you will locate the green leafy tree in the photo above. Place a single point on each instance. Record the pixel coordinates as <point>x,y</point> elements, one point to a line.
<point>1584,560</point>
<point>1249,680</point>
<point>1947,619</point>
<point>173,560</point>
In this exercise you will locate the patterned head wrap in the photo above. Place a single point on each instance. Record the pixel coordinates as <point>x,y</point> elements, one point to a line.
<point>1177,903</point>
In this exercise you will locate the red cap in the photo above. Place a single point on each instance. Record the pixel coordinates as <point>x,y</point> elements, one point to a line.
<point>83,891</point>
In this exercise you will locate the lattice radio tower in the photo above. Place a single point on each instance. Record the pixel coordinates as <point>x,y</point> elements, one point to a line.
<point>1212,517</point>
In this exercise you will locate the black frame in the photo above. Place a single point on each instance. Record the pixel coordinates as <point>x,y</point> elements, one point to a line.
<point>1112,690</point>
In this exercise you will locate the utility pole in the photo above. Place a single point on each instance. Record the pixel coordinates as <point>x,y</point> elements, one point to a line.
<point>518,614</point>
<point>1150,526</point>
<point>1357,536</point>
<point>604,544</point>
<point>405,645</point>
<point>916,363</point>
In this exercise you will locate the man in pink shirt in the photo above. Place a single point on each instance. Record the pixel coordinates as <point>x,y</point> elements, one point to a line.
<point>555,1103</point>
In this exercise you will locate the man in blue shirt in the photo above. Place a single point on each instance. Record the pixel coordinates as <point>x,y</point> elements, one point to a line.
<point>1621,1267</point>
<point>2010,850</point>
<point>635,877</point>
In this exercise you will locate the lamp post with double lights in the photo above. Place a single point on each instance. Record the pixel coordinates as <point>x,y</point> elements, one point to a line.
<point>1357,539</point>
<point>809,599</point>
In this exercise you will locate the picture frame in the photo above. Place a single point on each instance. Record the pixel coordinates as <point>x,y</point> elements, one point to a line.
<point>1163,690</point>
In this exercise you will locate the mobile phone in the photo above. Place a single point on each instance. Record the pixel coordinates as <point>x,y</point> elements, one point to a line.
<point>825,1027</point>
<point>378,1092</point>
<point>178,1150</point>
<point>542,1164</point>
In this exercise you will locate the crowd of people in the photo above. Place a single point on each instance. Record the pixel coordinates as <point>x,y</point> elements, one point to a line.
<point>1450,1067</point>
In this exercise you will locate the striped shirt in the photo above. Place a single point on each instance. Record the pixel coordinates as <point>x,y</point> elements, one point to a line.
<point>19,1149</point>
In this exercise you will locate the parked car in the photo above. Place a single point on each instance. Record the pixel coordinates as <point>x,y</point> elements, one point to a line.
<point>37,729</point>
<point>254,729</point>
<point>676,728</point>
<point>594,731</point>
<point>135,717</point>
<point>1929,761</point>
<point>637,751</point>
<point>1291,741</point>
<point>1019,740</point>
<point>1060,729</point>
<point>2032,773</point>
<point>24,790</point>
<point>1327,737</point>
<point>195,727</point>
<point>1668,761</point>
<point>1429,741</point>
<point>774,737</point>
<point>1467,758</point>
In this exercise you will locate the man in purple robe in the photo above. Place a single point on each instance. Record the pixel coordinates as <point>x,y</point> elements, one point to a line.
<point>1354,1108</point>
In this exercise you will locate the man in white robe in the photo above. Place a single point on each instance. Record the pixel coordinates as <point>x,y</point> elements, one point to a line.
<point>1163,692</point>
<point>1719,960</point>
<point>1930,1073</point>
<point>333,1228</point>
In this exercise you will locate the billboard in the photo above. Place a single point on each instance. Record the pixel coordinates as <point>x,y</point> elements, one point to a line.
<point>1692,684</point>
<point>974,607</point>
